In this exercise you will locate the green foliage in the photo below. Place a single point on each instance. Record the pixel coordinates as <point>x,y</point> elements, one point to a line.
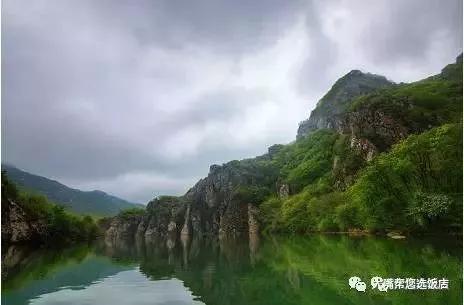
<point>313,209</point>
<point>430,102</point>
<point>282,270</point>
<point>426,208</point>
<point>60,225</point>
<point>346,162</point>
<point>417,186</point>
<point>346,216</point>
<point>251,194</point>
<point>271,215</point>
<point>133,212</point>
<point>96,203</point>
<point>419,182</point>
<point>306,160</point>
<point>9,189</point>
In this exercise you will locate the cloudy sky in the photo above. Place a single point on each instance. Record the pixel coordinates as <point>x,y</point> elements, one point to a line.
<point>138,98</point>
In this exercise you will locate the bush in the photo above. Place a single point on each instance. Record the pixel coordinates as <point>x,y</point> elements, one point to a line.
<point>9,190</point>
<point>250,194</point>
<point>412,186</point>
<point>271,215</point>
<point>346,216</point>
<point>427,208</point>
<point>132,212</point>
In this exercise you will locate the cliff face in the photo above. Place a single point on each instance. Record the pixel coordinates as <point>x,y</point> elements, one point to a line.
<point>18,227</point>
<point>366,114</point>
<point>377,113</point>
<point>371,130</point>
<point>331,112</point>
<point>338,99</point>
<point>208,209</point>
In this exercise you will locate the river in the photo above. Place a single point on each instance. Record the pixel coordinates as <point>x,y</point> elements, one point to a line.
<point>275,270</point>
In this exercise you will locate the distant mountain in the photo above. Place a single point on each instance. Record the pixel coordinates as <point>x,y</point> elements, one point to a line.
<point>83,202</point>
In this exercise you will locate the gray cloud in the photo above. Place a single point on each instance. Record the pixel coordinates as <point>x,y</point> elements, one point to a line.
<point>227,26</point>
<point>138,98</point>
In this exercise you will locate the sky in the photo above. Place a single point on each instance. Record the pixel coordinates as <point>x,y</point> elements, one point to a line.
<point>139,98</point>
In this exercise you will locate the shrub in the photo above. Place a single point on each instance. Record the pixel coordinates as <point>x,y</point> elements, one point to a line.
<point>132,212</point>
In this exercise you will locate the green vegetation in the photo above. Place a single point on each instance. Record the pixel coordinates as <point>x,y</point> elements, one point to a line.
<point>28,273</point>
<point>323,181</point>
<point>417,185</point>
<point>281,270</point>
<point>95,203</point>
<point>59,225</point>
<point>429,102</point>
<point>307,270</point>
<point>133,212</point>
<point>307,160</point>
<point>413,186</point>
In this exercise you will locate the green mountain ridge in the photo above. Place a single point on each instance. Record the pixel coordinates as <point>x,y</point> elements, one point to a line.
<point>380,157</point>
<point>94,202</point>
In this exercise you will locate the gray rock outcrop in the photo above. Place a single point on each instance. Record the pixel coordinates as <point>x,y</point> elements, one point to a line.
<point>17,226</point>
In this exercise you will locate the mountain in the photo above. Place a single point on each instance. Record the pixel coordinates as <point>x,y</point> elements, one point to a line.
<point>374,156</point>
<point>82,202</point>
<point>336,101</point>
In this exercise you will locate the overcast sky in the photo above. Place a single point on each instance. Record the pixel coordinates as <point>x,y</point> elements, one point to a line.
<point>138,98</point>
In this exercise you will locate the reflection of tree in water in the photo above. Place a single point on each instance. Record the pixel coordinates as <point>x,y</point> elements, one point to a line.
<point>28,273</point>
<point>287,270</point>
<point>22,263</point>
<point>297,270</point>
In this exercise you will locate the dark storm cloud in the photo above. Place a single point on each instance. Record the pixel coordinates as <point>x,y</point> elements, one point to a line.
<point>138,98</point>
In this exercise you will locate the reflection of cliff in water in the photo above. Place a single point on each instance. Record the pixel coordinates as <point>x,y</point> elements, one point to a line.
<point>209,267</point>
<point>291,270</point>
<point>279,270</point>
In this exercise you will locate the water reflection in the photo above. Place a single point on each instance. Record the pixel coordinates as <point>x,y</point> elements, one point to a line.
<point>27,274</point>
<point>311,270</point>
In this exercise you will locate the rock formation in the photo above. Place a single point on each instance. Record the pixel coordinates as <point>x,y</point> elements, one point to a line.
<point>207,209</point>
<point>18,227</point>
<point>215,205</point>
<point>338,99</point>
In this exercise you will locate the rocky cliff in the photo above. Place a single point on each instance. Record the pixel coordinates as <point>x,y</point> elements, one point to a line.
<point>210,208</point>
<point>18,226</point>
<point>31,219</point>
<point>377,113</point>
<point>338,99</point>
<point>361,115</point>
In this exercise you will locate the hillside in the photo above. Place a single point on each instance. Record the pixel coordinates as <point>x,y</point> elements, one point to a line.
<point>93,202</point>
<point>387,158</point>
<point>29,218</point>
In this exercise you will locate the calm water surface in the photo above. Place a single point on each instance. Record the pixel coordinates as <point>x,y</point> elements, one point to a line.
<point>297,270</point>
